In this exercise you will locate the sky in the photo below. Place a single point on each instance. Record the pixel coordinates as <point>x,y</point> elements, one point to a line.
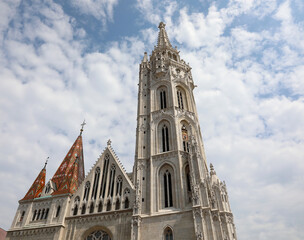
<point>65,61</point>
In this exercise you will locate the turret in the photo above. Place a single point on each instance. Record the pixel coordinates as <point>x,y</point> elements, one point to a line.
<point>70,173</point>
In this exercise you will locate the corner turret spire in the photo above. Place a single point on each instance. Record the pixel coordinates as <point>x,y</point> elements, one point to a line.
<point>70,173</point>
<point>37,186</point>
<point>163,40</point>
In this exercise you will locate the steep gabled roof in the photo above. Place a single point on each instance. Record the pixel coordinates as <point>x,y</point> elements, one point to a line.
<point>36,187</point>
<point>70,173</point>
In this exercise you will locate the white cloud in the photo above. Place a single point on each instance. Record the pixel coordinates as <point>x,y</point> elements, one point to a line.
<point>100,9</point>
<point>249,99</point>
<point>49,85</point>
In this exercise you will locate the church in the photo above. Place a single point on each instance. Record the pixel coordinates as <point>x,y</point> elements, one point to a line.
<point>170,195</point>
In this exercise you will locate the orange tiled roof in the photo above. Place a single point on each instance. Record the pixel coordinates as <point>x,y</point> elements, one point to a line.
<point>70,173</point>
<point>36,187</point>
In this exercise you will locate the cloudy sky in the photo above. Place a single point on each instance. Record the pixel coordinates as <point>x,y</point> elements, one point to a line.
<point>65,61</point>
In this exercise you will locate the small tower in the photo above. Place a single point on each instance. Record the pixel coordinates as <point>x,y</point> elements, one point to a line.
<point>174,190</point>
<point>70,173</point>
<point>41,213</point>
<point>37,186</point>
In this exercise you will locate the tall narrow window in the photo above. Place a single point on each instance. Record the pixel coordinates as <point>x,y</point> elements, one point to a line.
<point>188,182</point>
<point>47,188</point>
<point>117,204</point>
<point>187,171</point>
<point>119,185</point>
<point>168,234</point>
<point>75,210</point>
<point>83,210</point>
<point>76,204</point>
<point>168,189</point>
<point>92,207</point>
<point>109,206</point>
<point>86,191</point>
<point>180,99</point>
<point>38,215</point>
<point>95,185</point>
<point>126,203</point>
<point>100,206</point>
<point>185,139</point>
<point>163,99</point>
<point>42,214</point>
<point>111,181</point>
<point>58,211</point>
<point>165,138</point>
<point>34,215</point>
<point>46,213</point>
<point>104,176</point>
<point>22,216</point>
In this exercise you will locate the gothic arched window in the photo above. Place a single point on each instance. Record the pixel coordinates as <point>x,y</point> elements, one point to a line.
<point>109,205</point>
<point>126,203</point>
<point>46,213</point>
<point>165,139</point>
<point>119,185</point>
<point>117,204</point>
<point>111,181</point>
<point>188,182</point>
<point>86,191</point>
<point>96,181</point>
<point>167,178</point>
<point>75,210</point>
<point>180,99</point>
<point>38,215</point>
<point>76,204</point>
<point>168,234</point>
<point>83,209</point>
<point>98,235</point>
<point>47,188</point>
<point>42,214</point>
<point>163,99</point>
<point>100,206</point>
<point>104,176</point>
<point>185,139</point>
<point>34,215</point>
<point>92,207</point>
<point>22,216</point>
<point>58,211</point>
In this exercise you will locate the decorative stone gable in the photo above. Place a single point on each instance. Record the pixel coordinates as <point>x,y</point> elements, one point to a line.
<point>106,188</point>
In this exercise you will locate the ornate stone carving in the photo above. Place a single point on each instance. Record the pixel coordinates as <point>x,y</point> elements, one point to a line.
<point>195,194</point>
<point>199,236</point>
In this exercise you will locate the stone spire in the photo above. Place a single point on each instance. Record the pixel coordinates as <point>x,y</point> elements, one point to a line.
<point>37,186</point>
<point>70,173</point>
<point>163,40</point>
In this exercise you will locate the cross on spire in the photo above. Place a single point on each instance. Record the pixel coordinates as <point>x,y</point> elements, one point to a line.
<point>46,161</point>
<point>82,125</point>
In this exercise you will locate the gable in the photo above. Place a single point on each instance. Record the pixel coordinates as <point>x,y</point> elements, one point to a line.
<point>107,184</point>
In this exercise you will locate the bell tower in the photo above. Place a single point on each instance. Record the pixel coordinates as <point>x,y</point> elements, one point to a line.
<point>173,185</point>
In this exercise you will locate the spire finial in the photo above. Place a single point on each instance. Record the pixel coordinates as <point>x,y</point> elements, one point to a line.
<point>212,171</point>
<point>109,142</point>
<point>163,40</point>
<point>161,25</point>
<point>46,161</point>
<point>82,125</point>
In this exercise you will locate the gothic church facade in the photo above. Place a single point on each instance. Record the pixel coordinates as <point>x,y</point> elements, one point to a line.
<point>171,193</point>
